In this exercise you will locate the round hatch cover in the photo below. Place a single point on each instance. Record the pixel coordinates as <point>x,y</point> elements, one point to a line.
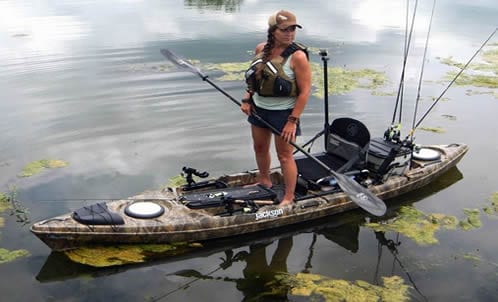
<point>144,209</point>
<point>426,154</point>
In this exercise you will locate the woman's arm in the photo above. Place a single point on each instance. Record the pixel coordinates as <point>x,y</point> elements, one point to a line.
<point>302,70</point>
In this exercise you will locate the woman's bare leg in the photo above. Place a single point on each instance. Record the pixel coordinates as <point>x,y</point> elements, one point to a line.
<point>261,142</point>
<point>289,168</point>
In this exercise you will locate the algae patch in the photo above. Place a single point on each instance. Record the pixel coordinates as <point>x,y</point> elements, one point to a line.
<point>4,202</point>
<point>38,166</point>
<point>321,288</point>
<point>416,225</point>
<point>433,129</point>
<point>4,205</point>
<point>8,256</point>
<point>472,221</point>
<point>421,227</point>
<point>483,74</point>
<point>493,208</point>
<point>340,80</point>
<point>103,256</point>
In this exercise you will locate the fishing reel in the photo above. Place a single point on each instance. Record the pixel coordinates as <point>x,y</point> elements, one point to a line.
<point>393,134</point>
<point>189,174</point>
<point>191,171</point>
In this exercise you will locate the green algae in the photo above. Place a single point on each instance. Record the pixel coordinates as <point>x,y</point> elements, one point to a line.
<point>9,256</point>
<point>472,221</point>
<point>421,227</point>
<point>493,208</point>
<point>4,202</point>
<point>416,225</point>
<point>340,80</point>
<point>481,74</point>
<point>321,288</point>
<point>176,181</point>
<point>104,256</point>
<point>38,166</point>
<point>472,257</point>
<point>433,129</point>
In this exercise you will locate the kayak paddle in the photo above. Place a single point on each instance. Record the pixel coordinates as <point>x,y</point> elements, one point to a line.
<point>356,192</point>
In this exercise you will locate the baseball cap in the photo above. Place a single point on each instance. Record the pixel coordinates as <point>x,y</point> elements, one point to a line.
<point>283,19</point>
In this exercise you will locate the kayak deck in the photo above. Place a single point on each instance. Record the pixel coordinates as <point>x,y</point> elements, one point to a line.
<point>179,223</point>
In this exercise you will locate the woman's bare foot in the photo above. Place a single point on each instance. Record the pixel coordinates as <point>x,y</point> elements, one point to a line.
<point>285,203</point>
<point>266,185</point>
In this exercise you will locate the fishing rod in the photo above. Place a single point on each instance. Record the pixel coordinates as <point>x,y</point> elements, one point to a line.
<point>451,83</point>
<point>356,192</point>
<point>393,132</point>
<point>422,68</point>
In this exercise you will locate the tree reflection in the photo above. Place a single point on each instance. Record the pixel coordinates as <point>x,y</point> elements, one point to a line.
<point>229,6</point>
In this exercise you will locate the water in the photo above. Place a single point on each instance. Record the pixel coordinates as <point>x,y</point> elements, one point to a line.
<point>83,81</point>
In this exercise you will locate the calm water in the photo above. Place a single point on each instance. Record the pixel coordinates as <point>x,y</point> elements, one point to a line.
<point>83,81</point>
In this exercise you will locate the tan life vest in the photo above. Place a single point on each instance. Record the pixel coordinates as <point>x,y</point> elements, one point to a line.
<point>274,81</point>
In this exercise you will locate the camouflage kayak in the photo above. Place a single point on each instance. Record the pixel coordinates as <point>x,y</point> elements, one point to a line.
<point>227,206</point>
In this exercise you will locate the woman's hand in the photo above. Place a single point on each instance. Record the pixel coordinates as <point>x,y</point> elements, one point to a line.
<point>246,108</point>
<point>289,132</point>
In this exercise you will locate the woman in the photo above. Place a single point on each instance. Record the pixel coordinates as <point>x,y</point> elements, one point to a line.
<point>279,83</point>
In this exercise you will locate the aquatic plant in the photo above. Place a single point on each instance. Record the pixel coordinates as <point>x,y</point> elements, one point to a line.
<point>421,227</point>
<point>9,256</point>
<point>38,166</point>
<point>493,208</point>
<point>340,80</point>
<point>416,225</point>
<point>472,221</point>
<point>4,202</point>
<point>321,288</point>
<point>432,129</point>
<point>103,256</point>
<point>176,181</point>
<point>482,74</point>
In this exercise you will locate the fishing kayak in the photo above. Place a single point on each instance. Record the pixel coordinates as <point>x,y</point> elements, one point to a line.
<point>231,205</point>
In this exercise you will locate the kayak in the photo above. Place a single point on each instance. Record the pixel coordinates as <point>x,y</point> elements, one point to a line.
<point>232,205</point>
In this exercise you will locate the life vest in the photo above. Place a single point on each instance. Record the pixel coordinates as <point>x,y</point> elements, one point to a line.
<point>274,81</point>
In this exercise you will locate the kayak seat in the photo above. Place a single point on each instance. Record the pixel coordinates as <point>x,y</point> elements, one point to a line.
<point>346,150</point>
<point>97,214</point>
<point>220,197</point>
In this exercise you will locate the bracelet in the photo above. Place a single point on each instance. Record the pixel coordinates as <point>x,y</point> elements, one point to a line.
<point>293,119</point>
<point>247,101</point>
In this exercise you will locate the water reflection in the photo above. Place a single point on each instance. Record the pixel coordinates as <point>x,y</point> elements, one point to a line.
<point>228,6</point>
<point>251,265</point>
<point>392,246</point>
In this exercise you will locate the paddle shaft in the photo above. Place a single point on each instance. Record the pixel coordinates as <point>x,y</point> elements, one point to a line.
<point>356,192</point>
<point>359,197</point>
<point>273,129</point>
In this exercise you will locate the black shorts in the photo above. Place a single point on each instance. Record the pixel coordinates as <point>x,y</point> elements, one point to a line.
<point>276,118</point>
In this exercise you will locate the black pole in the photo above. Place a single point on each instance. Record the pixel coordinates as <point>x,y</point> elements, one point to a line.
<point>323,54</point>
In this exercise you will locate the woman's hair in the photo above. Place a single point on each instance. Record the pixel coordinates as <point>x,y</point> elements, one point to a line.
<point>270,42</point>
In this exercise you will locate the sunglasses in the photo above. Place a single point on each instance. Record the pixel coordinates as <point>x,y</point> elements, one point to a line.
<point>289,29</point>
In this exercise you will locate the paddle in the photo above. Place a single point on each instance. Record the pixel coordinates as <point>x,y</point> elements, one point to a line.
<point>356,192</point>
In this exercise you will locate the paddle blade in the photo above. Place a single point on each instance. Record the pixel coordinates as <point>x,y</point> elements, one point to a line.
<point>361,195</point>
<point>168,54</point>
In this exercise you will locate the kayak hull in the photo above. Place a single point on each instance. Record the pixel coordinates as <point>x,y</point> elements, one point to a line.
<point>179,223</point>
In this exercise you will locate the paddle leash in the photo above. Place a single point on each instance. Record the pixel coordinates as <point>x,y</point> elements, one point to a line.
<point>356,192</point>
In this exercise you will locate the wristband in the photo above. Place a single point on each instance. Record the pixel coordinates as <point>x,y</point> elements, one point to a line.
<point>293,119</point>
<point>247,101</point>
